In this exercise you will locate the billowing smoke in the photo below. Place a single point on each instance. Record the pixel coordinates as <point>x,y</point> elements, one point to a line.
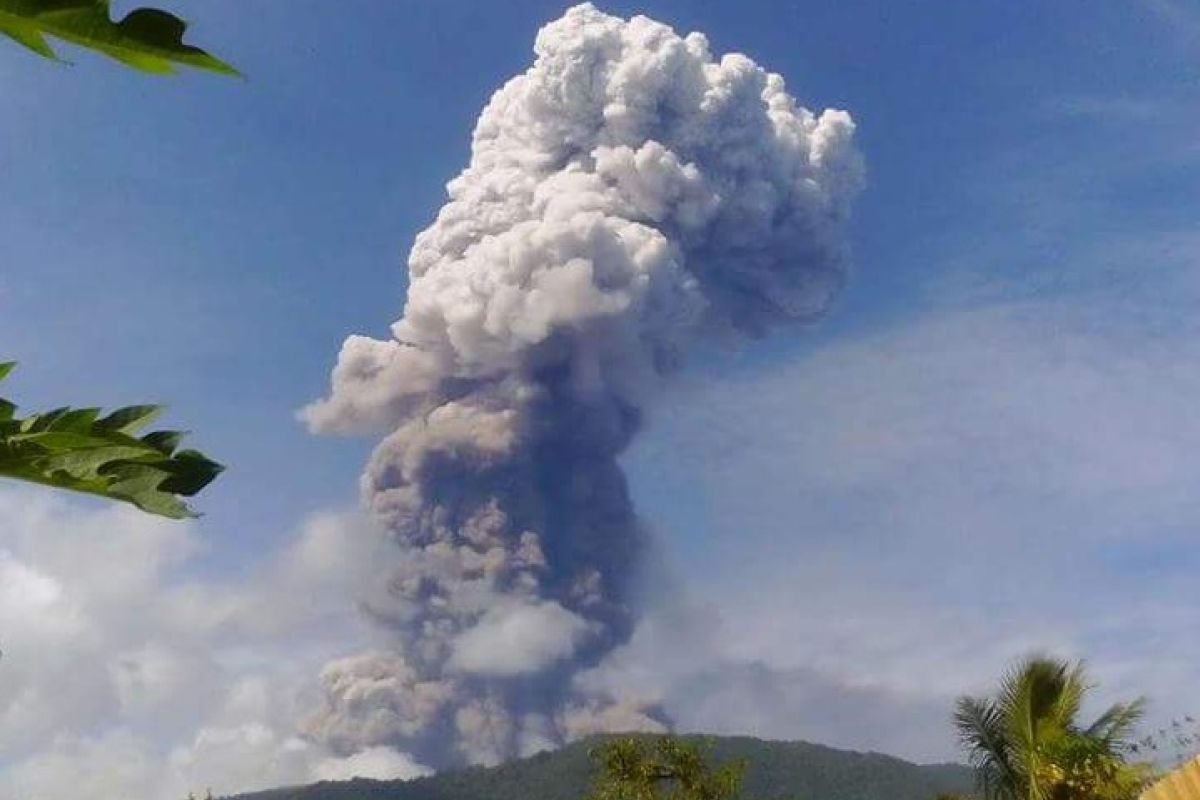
<point>626,195</point>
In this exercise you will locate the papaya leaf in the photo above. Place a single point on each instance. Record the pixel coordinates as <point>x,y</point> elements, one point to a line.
<point>165,442</point>
<point>148,39</point>
<point>129,420</point>
<point>78,450</point>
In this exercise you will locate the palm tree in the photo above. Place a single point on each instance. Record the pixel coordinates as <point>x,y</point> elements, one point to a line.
<point>1026,743</point>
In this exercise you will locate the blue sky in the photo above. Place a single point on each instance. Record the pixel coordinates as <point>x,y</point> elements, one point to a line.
<point>988,446</point>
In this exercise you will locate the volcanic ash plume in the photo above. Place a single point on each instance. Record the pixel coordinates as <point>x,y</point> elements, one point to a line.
<point>625,195</point>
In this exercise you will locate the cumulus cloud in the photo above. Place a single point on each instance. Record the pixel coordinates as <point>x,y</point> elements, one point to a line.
<point>125,674</point>
<point>629,194</point>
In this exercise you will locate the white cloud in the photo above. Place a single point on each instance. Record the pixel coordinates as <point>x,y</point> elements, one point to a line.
<point>116,764</point>
<point>25,592</point>
<point>380,763</point>
<point>518,638</point>
<point>125,674</point>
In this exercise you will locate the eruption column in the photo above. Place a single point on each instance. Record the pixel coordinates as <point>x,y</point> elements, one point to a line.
<point>625,196</point>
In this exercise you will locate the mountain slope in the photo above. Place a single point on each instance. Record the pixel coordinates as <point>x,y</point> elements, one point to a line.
<point>791,770</point>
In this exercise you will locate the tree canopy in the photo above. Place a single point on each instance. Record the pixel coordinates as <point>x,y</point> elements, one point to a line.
<point>1026,742</point>
<point>667,768</point>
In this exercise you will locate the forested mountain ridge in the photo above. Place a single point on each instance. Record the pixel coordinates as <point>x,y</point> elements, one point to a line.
<point>776,771</point>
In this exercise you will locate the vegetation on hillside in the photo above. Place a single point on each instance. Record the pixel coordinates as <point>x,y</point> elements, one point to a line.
<point>665,768</point>
<point>774,770</point>
<point>1025,742</point>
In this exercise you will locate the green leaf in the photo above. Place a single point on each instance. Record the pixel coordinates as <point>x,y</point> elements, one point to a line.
<point>28,36</point>
<point>129,420</point>
<point>164,441</point>
<point>190,472</point>
<point>77,450</point>
<point>148,39</point>
<point>77,420</point>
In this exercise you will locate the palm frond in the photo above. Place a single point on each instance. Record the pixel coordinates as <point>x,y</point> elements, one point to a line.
<point>1038,700</point>
<point>1071,685</point>
<point>1115,727</point>
<point>1039,694</point>
<point>1025,742</point>
<point>981,732</point>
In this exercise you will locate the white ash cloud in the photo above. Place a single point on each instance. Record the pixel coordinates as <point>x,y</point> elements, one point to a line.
<point>626,195</point>
<point>518,640</point>
<point>379,763</point>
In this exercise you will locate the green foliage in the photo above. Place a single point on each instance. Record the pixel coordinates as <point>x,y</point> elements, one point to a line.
<point>79,450</point>
<point>147,39</point>
<point>1026,743</point>
<point>665,769</point>
<point>1085,768</point>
